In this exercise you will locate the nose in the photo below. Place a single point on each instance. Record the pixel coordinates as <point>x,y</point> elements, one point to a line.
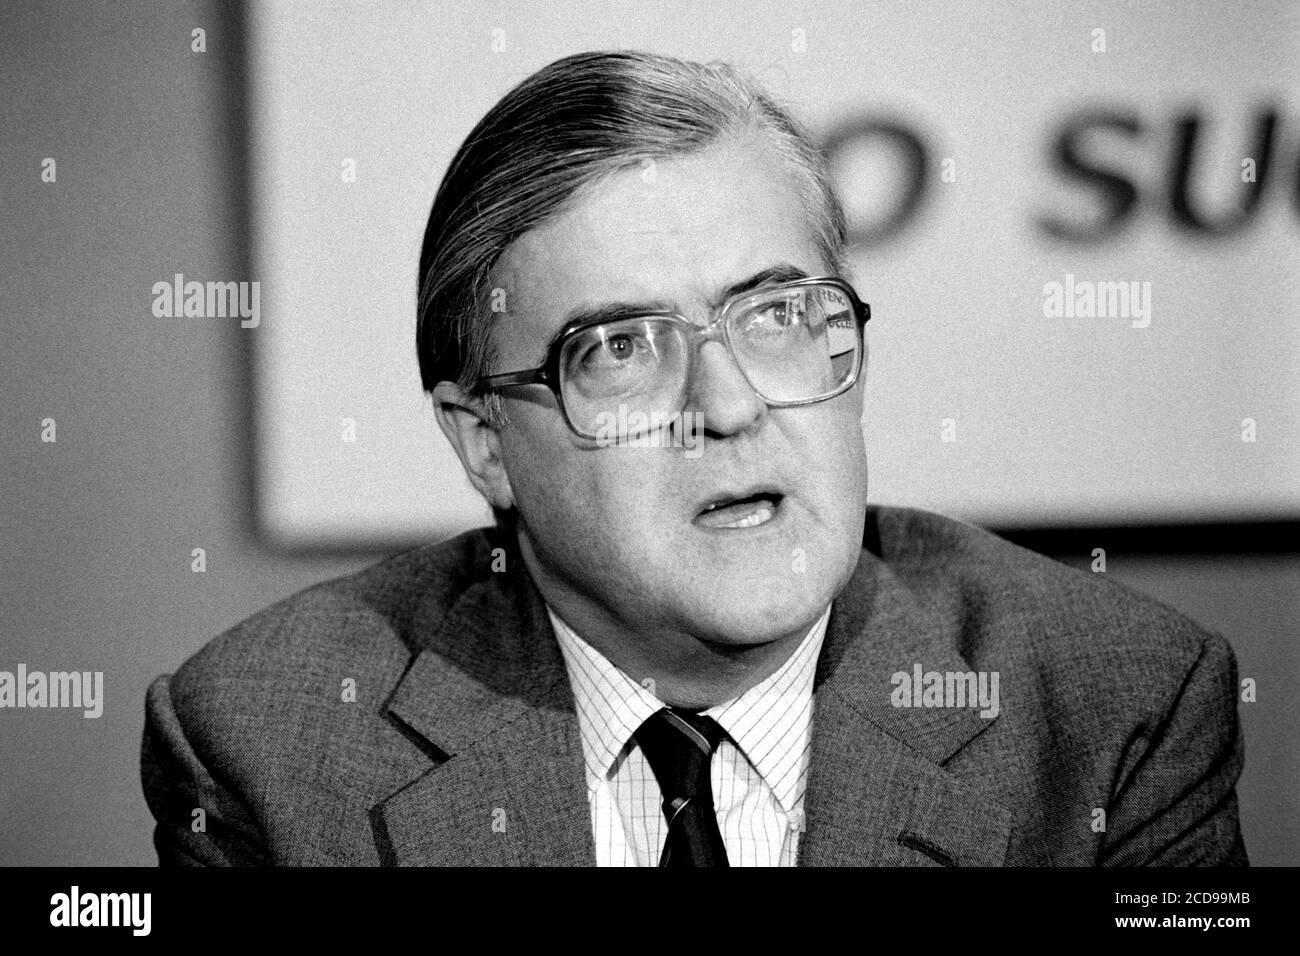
<point>720,392</point>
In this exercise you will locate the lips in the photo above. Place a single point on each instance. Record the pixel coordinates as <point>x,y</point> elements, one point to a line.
<point>750,509</point>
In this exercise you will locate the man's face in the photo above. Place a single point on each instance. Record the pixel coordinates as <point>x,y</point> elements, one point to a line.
<point>618,531</point>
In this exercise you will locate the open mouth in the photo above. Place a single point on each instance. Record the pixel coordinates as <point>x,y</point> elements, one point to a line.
<point>750,511</point>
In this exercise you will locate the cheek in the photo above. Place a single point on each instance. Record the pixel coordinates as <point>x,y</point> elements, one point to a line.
<point>541,461</point>
<point>572,495</point>
<point>851,458</point>
<point>840,498</point>
<point>835,453</point>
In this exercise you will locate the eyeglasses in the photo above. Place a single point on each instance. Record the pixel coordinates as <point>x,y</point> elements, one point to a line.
<point>797,343</point>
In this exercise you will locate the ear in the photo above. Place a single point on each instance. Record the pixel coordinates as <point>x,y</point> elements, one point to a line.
<point>478,445</point>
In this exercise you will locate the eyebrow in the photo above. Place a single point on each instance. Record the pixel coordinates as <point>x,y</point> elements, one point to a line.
<point>610,311</point>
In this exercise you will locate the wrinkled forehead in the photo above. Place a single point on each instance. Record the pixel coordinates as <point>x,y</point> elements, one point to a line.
<point>671,234</point>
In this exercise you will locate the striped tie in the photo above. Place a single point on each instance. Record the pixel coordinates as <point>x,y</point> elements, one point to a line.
<point>679,746</point>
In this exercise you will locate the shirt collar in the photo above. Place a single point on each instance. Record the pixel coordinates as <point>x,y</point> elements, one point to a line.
<point>771,722</point>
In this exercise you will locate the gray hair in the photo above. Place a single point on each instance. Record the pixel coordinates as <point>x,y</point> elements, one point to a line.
<point>569,124</point>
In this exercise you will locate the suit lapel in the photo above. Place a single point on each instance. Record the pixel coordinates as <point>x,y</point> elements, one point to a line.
<point>488,699</point>
<point>878,794</point>
<point>516,797</point>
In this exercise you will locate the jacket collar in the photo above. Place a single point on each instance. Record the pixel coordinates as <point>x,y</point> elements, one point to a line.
<point>488,699</point>
<point>508,785</point>
<point>877,792</point>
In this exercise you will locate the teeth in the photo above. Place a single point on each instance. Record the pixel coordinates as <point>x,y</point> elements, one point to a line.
<point>753,499</point>
<point>761,516</point>
<point>752,516</point>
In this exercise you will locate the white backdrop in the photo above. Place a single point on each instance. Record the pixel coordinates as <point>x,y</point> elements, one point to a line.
<point>1056,420</point>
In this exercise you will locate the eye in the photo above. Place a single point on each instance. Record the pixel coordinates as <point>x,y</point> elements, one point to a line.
<point>610,352</point>
<point>774,316</point>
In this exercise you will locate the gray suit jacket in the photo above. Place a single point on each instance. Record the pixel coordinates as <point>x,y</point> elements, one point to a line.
<point>462,743</point>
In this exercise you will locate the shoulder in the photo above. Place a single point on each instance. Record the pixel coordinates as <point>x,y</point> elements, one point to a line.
<point>366,627</point>
<point>1008,606</point>
<point>1103,698</point>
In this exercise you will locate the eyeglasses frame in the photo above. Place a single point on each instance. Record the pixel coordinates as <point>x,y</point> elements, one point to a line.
<point>548,373</point>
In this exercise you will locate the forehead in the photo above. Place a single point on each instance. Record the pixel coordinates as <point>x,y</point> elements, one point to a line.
<point>673,232</point>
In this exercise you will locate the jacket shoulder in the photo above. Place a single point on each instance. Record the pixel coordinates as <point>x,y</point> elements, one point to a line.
<point>1108,699</point>
<point>365,626</point>
<point>1007,602</point>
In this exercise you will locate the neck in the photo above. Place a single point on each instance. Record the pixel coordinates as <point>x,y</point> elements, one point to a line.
<point>678,667</point>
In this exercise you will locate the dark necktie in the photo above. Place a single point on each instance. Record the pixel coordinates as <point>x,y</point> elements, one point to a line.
<point>679,746</point>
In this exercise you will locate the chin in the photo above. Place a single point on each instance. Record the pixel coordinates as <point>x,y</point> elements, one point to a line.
<point>756,614</point>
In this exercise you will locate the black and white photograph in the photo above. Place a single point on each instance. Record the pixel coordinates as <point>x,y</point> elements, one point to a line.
<point>588,434</point>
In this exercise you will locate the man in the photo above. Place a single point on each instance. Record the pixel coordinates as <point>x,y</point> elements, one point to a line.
<point>688,641</point>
